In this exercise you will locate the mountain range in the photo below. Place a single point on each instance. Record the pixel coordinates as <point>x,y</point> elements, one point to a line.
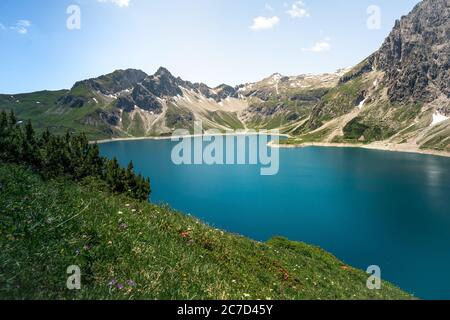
<point>399,95</point>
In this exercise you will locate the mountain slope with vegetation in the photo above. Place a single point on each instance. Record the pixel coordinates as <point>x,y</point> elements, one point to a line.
<point>63,205</point>
<point>131,249</point>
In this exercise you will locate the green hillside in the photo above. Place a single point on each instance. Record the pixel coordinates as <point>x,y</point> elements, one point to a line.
<point>152,251</point>
<point>44,110</point>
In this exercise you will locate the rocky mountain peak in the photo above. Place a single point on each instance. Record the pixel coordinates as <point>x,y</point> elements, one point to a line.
<point>163,83</point>
<point>163,72</point>
<point>416,55</point>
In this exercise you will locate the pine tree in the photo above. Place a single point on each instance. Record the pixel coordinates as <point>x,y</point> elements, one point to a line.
<point>3,121</point>
<point>45,138</point>
<point>12,119</point>
<point>29,132</point>
<point>113,175</point>
<point>71,155</point>
<point>130,179</point>
<point>94,164</point>
<point>3,134</point>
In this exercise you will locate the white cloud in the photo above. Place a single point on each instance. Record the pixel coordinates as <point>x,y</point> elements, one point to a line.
<point>298,10</point>
<point>263,23</point>
<point>321,46</point>
<point>2,26</point>
<point>268,7</point>
<point>120,3</point>
<point>21,26</point>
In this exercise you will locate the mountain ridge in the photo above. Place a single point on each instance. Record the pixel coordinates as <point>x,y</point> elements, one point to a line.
<point>398,95</point>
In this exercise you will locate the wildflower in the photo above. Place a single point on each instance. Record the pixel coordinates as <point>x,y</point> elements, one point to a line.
<point>131,283</point>
<point>185,235</point>
<point>120,286</point>
<point>120,212</point>
<point>133,210</point>
<point>127,205</point>
<point>112,283</point>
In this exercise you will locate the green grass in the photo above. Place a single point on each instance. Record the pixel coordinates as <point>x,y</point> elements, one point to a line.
<point>46,226</point>
<point>317,136</point>
<point>371,131</point>
<point>438,139</point>
<point>227,119</point>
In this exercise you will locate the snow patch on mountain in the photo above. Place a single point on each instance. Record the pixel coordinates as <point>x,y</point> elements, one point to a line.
<point>438,118</point>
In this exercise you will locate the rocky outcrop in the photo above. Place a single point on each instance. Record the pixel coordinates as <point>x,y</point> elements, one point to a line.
<point>71,101</point>
<point>163,83</point>
<point>145,99</point>
<point>126,104</point>
<point>224,91</point>
<point>114,82</point>
<point>416,55</point>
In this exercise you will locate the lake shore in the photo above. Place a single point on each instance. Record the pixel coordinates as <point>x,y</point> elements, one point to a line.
<point>373,146</point>
<point>243,133</point>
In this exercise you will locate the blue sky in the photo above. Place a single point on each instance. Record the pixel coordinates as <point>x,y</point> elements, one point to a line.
<point>211,41</point>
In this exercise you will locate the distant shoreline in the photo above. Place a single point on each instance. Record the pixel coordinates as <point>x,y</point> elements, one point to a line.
<point>373,146</point>
<point>243,133</point>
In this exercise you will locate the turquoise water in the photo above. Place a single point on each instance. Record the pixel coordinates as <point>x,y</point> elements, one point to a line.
<point>366,207</point>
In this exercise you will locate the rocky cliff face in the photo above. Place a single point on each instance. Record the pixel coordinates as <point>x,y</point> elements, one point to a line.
<point>416,55</point>
<point>401,93</point>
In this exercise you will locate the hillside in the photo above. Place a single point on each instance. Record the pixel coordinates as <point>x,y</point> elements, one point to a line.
<point>129,249</point>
